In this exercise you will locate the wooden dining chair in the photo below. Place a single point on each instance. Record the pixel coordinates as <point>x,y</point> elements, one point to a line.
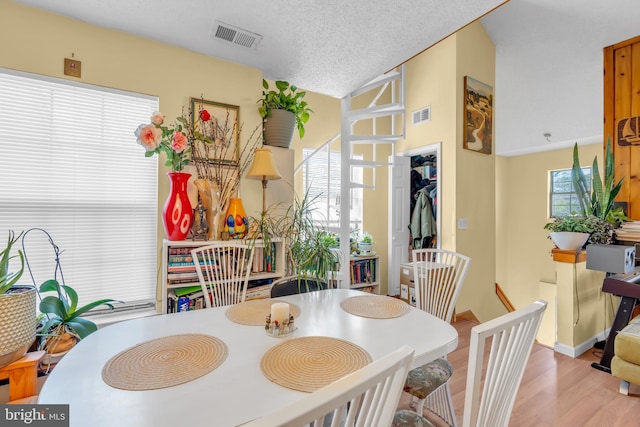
<point>367,397</point>
<point>438,276</point>
<point>223,271</point>
<point>511,338</point>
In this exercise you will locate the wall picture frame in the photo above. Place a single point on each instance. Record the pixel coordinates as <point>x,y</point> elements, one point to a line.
<point>477,116</point>
<point>216,122</point>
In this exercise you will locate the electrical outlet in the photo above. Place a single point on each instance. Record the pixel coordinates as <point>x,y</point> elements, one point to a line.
<point>462,224</point>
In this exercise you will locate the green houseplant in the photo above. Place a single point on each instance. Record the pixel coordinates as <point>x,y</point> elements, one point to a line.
<point>17,307</point>
<point>594,230</point>
<point>282,111</point>
<point>312,253</point>
<point>599,202</point>
<point>63,327</point>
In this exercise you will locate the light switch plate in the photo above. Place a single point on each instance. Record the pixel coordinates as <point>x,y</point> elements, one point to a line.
<point>462,224</point>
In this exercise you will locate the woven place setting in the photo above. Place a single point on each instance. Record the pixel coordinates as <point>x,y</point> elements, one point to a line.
<point>254,312</point>
<point>375,306</point>
<point>164,362</point>
<point>310,363</point>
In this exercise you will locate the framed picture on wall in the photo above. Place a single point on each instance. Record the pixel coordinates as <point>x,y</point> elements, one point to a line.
<point>478,116</point>
<point>217,123</point>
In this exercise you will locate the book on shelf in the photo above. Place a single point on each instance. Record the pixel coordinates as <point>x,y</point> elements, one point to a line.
<point>186,250</point>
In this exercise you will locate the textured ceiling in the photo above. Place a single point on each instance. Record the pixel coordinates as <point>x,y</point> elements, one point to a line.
<point>331,47</point>
<point>548,52</point>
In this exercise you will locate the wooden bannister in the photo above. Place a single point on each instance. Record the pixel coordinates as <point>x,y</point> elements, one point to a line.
<point>503,297</point>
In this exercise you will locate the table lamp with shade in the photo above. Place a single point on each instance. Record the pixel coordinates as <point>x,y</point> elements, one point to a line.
<point>264,169</point>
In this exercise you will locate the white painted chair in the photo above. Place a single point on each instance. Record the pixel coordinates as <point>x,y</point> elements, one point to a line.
<point>367,397</point>
<point>511,337</point>
<point>223,271</point>
<point>438,276</point>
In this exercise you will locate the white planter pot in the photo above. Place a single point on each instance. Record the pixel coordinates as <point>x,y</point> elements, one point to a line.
<point>569,240</point>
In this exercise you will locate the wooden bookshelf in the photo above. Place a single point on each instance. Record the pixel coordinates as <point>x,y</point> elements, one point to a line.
<point>179,277</point>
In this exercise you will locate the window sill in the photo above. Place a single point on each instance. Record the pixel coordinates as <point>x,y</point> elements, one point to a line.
<point>109,319</point>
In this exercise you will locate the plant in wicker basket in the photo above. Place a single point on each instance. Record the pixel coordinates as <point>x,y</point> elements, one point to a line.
<point>17,307</point>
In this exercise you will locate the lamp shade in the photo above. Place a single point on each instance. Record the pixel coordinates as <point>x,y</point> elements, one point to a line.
<point>263,166</point>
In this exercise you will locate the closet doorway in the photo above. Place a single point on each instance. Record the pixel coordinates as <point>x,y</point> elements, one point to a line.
<point>414,184</point>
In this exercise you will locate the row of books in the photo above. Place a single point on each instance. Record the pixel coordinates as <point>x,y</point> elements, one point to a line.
<point>264,262</point>
<point>363,271</point>
<point>192,298</point>
<point>181,269</point>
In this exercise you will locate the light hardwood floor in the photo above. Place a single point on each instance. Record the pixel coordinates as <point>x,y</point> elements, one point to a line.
<point>556,390</point>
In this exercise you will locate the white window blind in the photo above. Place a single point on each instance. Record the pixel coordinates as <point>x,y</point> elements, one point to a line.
<point>70,165</point>
<point>321,181</point>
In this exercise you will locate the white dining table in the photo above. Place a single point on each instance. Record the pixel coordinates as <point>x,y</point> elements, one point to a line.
<point>236,391</point>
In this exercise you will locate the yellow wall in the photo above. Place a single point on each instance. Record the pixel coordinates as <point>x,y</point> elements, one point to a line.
<point>431,81</point>
<point>523,257</point>
<point>436,78</point>
<point>37,42</point>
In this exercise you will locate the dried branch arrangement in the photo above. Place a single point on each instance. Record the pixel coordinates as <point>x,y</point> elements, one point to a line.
<point>214,140</point>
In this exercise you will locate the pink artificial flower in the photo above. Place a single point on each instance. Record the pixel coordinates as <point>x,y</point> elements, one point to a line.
<point>149,136</point>
<point>157,118</point>
<point>179,142</point>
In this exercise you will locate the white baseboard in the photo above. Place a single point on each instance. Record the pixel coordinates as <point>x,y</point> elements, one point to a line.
<point>582,347</point>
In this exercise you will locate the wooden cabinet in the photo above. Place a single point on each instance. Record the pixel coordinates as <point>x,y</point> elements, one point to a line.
<point>622,117</point>
<point>180,286</point>
<point>364,273</point>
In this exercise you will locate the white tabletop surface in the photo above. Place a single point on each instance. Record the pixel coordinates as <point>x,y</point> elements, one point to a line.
<point>236,391</point>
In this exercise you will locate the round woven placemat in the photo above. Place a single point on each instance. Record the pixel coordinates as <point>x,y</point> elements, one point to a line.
<point>254,312</point>
<point>309,363</point>
<point>375,306</point>
<point>164,362</point>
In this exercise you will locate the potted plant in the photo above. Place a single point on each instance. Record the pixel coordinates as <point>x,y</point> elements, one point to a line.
<point>598,202</point>
<point>573,232</point>
<point>63,327</point>
<point>17,307</point>
<point>282,110</point>
<point>365,243</point>
<point>312,252</point>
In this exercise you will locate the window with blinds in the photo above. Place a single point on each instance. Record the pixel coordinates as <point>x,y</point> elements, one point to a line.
<point>321,181</point>
<point>71,169</point>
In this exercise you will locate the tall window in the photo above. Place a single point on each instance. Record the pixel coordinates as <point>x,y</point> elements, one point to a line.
<point>321,180</point>
<point>70,165</point>
<point>563,200</point>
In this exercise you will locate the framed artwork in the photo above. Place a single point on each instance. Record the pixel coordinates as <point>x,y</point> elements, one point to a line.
<point>478,116</point>
<point>217,123</point>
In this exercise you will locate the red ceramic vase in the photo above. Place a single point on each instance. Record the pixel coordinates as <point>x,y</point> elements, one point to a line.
<point>177,215</point>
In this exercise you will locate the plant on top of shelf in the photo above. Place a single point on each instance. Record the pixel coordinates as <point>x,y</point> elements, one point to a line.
<point>598,229</point>
<point>288,98</point>
<point>599,202</point>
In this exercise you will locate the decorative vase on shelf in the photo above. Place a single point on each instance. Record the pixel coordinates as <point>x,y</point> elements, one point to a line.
<point>235,220</point>
<point>177,215</point>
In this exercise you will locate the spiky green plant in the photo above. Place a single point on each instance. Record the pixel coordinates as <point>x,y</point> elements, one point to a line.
<point>600,202</point>
<point>7,279</point>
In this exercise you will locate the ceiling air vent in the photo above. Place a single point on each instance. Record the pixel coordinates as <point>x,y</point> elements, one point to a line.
<point>422,115</point>
<point>235,35</point>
